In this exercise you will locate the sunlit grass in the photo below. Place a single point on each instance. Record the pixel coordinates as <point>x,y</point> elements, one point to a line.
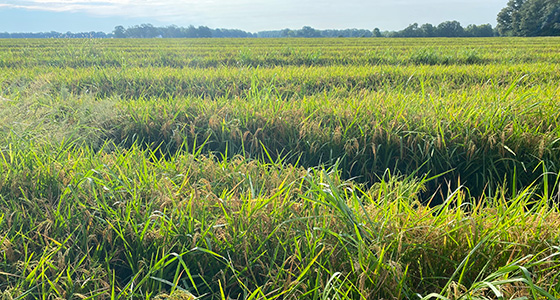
<point>279,169</point>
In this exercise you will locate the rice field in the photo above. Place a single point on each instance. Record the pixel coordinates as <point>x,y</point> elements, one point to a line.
<point>280,169</point>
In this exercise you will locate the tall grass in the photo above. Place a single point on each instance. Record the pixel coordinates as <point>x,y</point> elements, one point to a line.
<point>279,169</point>
<point>127,224</point>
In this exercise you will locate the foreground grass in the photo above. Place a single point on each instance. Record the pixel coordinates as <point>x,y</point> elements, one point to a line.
<point>299,171</point>
<point>110,221</point>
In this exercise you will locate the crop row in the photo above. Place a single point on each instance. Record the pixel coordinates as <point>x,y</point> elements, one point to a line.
<point>480,135</point>
<point>282,82</point>
<point>276,52</point>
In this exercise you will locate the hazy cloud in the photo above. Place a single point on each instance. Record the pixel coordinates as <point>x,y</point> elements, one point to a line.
<point>137,8</point>
<point>256,15</point>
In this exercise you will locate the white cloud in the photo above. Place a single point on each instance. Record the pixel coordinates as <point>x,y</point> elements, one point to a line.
<point>198,12</point>
<point>129,8</point>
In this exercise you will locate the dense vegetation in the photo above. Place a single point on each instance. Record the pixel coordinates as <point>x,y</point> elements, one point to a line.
<point>530,18</point>
<point>280,169</point>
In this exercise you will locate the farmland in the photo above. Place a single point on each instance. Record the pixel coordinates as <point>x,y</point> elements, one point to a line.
<point>280,168</point>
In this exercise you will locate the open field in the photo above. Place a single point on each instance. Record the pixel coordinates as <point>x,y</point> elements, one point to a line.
<point>280,169</point>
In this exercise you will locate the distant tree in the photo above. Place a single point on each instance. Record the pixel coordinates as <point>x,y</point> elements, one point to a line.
<point>428,30</point>
<point>362,33</point>
<point>508,18</point>
<point>190,32</point>
<point>450,29</point>
<point>230,33</point>
<point>550,19</point>
<point>142,31</point>
<point>204,32</point>
<point>149,31</point>
<point>484,30</point>
<point>444,29</point>
<point>392,34</point>
<point>539,17</point>
<point>172,31</point>
<point>287,33</point>
<point>411,31</point>
<point>529,18</point>
<point>119,32</point>
<point>377,32</point>
<point>308,32</point>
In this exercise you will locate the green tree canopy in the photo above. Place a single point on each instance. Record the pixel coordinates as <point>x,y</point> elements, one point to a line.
<point>428,30</point>
<point>530,18</point>
<point>484,30</point>
<point>451,29</point>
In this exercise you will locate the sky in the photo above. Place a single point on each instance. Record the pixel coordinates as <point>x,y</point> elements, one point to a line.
<point>248,15</point>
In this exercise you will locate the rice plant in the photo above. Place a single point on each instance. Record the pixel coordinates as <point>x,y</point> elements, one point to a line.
<point>279,169</point>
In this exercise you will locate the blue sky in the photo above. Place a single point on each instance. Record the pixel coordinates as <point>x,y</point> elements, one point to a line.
<point>249,15</point>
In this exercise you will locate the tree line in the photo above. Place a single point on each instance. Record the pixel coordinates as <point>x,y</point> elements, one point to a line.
<point>310,32</point>
<point>150,31</point>
<point>445,29</point>
<point>173,31</point>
